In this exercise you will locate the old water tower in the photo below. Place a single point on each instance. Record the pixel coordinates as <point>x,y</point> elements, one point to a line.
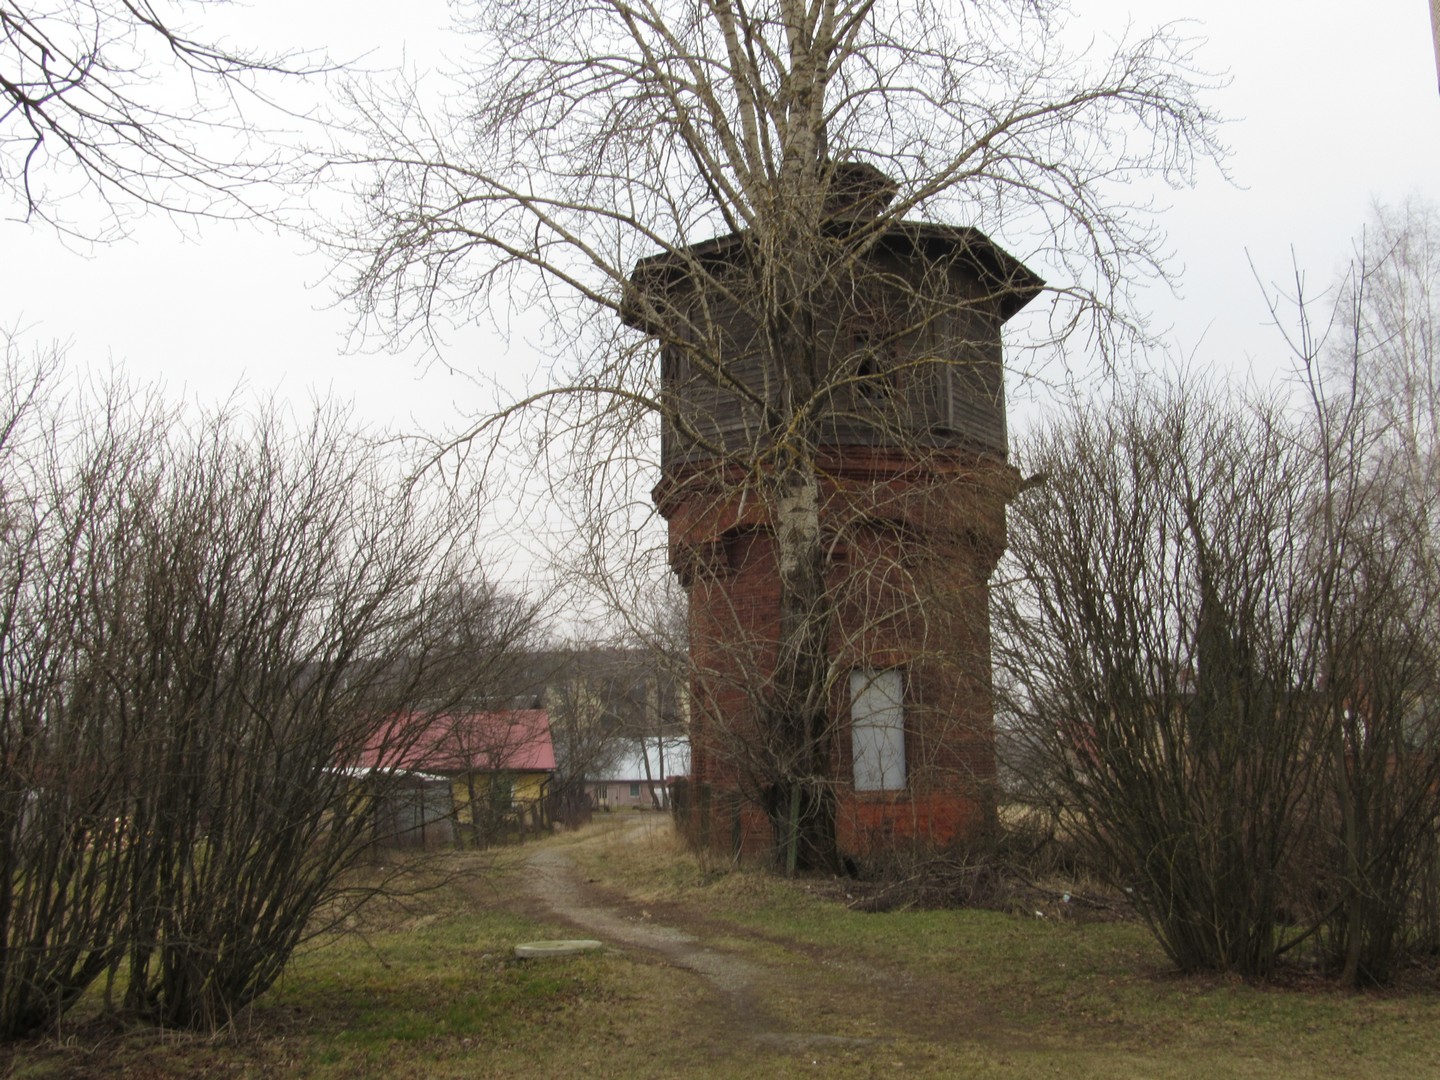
<point>904,395</point>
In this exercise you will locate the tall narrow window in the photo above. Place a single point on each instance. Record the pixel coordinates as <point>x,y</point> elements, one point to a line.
<point>877,729</point>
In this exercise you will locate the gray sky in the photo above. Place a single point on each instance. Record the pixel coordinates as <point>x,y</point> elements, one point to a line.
<point>1334,107</point>
<point>1330,110</point>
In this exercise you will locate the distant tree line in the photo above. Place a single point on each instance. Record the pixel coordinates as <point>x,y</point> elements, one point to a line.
<point>1218,637</point>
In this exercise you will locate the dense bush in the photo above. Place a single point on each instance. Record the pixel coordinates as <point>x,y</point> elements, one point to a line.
<point>1218,640</point>
<point>204,618</point>
<point>1217,651</point>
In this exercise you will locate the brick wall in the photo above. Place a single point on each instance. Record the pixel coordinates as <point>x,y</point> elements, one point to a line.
<point>913,543</point>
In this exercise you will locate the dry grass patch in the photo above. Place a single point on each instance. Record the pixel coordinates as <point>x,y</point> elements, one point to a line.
<point>427,986</point>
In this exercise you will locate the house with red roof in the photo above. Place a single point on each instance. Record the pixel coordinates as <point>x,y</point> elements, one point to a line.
<point>498,764</point>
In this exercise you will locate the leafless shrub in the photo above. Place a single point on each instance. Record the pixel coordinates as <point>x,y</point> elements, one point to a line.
<point>63,866</point>
<point>1157,658</point>
<point>1218,636</point>
<point>205,621</point>
<point>1371,365</point>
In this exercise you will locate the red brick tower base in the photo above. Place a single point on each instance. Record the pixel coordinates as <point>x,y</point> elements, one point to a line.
<point>912,540</point>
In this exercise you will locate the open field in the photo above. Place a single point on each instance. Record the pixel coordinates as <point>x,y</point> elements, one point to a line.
<point>737,974</point>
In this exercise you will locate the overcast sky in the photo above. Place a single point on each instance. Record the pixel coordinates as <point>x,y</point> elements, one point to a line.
<point>1331,109</point>
<point>1334,107</point>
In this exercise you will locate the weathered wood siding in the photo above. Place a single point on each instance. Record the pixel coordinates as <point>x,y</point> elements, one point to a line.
<point>909,358</point>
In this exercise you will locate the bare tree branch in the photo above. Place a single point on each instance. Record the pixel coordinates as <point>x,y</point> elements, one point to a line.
<point>116,99</point>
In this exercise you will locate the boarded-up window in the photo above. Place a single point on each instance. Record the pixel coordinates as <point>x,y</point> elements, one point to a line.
<point>877,729</point>
<point>874,352</point>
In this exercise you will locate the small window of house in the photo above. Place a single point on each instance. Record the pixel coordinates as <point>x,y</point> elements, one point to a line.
<point>634,791</point>
<point>877,729</point>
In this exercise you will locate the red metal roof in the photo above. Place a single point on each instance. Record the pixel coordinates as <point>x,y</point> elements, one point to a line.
<point>513,741</point>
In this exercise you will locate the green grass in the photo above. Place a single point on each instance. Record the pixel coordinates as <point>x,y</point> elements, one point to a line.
<point>430,988</point>
<point>1095,999</point>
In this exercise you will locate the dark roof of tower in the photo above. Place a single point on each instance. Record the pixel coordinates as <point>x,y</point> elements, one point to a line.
<point>858,192</point>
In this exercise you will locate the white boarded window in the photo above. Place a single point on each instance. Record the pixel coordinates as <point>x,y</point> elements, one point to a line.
<point>877,729</point>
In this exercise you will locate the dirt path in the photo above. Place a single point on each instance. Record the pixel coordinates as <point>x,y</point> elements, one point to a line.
<point>555,883</point>
<point>809,984</point>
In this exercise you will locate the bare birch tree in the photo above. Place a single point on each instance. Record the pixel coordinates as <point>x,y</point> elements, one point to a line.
<point>587,137</point>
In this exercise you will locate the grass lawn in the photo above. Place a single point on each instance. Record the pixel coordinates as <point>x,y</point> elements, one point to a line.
<point>430,988</point>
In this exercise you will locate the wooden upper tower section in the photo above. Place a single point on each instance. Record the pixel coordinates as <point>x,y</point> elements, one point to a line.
<point>905,324</point>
